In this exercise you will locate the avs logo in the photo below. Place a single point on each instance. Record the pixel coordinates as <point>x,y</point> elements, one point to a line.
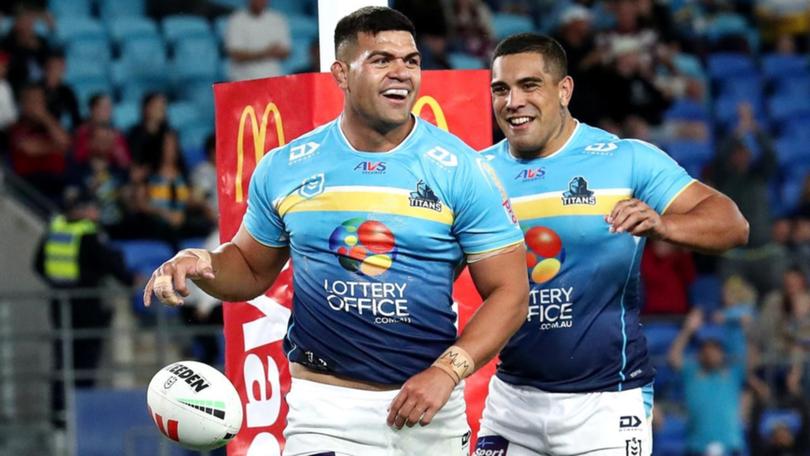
<point>424,197</point>
<point>633,447</point>
<point>312,186</point>
<point>491,445</point>
<point>629,422</point>
<point>578,193</point>
<point>530,174</point>
<point>369,167</point>
<point>303,152</point>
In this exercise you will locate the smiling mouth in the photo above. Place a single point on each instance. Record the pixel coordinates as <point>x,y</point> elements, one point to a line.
<point>519,121</point>
<point>396,94</point>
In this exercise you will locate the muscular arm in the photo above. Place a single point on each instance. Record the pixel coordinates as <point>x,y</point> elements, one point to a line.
<point>700,218</point>
<point>501,281</point>
<point>238,270</point>
<point>703,219</point>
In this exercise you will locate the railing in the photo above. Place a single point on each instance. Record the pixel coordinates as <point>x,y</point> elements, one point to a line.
<point>24,426</point>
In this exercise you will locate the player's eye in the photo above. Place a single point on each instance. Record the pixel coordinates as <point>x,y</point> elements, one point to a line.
<point>499,91</point>
<point>380,62</point>
<point>413,62</point>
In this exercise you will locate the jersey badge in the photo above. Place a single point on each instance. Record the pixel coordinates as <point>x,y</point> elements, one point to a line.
<point>424,197</point>
<point>578,193</point>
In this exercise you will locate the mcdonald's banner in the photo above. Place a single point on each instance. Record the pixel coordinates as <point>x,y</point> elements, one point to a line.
<point>253,117</point>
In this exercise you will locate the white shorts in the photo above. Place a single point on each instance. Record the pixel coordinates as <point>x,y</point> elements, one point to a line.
<point>526,421</point>
<point>333,420</point>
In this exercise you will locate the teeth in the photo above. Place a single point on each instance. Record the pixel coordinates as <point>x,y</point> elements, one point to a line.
<point>519,120</point>
<point>397,92</point>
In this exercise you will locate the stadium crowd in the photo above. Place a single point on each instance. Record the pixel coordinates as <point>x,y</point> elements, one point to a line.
<point>723,86</point>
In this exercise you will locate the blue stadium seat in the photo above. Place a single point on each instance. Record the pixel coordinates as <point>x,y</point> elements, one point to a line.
<point>725,64</point>
<point>783,108</point>
<point>221,27</point>
<point>144,59</point>
<point>686,110</point>
<point>103,413</point>
<point>303,27</point>
<point>778,66</point>
<point>670,438</point>
<point>504,24</point>
<point>797,85</point>
<point>182,114</point>
<point>689,65</point>
<point>182,26</point>
<point>741,87</point>
<point>192,142</point>
<point>725,25</point>
<point>195,59</point>
<point>725,110</point>
<point>790,192</point>
<point>123,29</point>
<point>791,152</point>
<point>235,4</point>
<point>111,9</point>
<point>706,292</point>
<point>71,28</point>
<point>126,114</point>
<point>659,336</point>
<point>89,50</point>
<point>298,58</point>
<point>144,256</point>
<point>65,8</point>
<point>290,7</point>
<point>691,154</point>
<point>464,61</point>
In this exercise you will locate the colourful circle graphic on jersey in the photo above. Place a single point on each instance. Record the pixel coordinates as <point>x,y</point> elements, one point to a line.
<point>364,246</point>
<point>545,254</point>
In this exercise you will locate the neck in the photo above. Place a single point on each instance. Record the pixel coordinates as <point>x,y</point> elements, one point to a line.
<point>370,138</point>
<point>558,138</point>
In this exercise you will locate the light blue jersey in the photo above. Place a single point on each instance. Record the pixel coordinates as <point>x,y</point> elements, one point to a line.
<point>376,239</point>
<point>582,333</point>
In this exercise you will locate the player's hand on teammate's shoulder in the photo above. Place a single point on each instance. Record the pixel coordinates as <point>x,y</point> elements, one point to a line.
<point>637,218</point>
<point>420,398</point>
<point>169,279</point>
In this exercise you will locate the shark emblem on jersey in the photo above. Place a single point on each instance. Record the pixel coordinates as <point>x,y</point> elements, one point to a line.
<point>578,193</point>
<point>424,197</point>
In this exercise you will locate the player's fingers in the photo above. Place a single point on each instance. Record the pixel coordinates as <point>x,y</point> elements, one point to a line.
<point>395,406</point>
<point>147,291</point>
<point>629,223</point>
<point>427,417</point>
<point>404,412</point>
<point>164,290</point>
<point>622,216</point>
<point>618,208</point>
<point>416,414</point>
<point>179,279</point>
<point>643,228</point>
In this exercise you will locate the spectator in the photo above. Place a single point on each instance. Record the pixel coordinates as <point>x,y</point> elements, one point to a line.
<point>256,41</point>
<point>770,338</point>
<point>8,107</point>
<point>38,144</point>
<point>97,135</point>
<point>72,256</point>
<point>739,301</point>
<point>146,138</point>
<point>101,179</point>
<point>746,180</point>
<point>204,179</point>
<point>470,29</point>
<point>61,99</point>
<point>713,390</point>
<point>27,49</point>
<point>666,273</point>
<point>432,31</point>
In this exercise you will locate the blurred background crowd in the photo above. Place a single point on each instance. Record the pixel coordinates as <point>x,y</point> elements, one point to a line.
<point>112,100</point>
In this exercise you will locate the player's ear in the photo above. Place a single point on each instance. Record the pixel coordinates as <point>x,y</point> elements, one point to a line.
<point>566,90</point>
<point>340,71</point>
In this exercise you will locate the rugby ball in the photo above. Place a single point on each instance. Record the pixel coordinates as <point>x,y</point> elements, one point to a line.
<point>194,405</point>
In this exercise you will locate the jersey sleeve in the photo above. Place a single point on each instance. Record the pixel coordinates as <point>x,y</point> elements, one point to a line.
<point>261,219</point>
<point>483,217</point>
<point>657,178</point>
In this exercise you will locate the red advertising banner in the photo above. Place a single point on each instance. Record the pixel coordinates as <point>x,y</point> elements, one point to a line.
<point>253,117</point>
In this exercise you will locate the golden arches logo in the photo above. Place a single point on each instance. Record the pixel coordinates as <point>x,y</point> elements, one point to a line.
<point>259,130</point>
<point>435,107</point>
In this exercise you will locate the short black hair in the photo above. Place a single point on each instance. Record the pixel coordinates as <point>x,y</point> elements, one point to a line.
<point>373,20</point>
<point>96,98</point>
<point>552,52</point>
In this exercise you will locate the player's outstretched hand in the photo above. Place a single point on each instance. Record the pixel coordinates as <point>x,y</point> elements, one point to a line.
<point>169,279</point>
<point>420,398</point>
<point>637,218</point>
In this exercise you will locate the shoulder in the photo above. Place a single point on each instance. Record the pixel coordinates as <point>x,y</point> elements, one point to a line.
<point>299,150</point>
<point>443,148</point>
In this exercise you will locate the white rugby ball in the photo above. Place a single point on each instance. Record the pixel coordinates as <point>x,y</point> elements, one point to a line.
<point>194,405</point>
